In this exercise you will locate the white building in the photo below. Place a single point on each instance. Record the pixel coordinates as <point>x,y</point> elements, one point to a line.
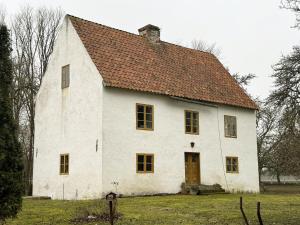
<point>130,113</point>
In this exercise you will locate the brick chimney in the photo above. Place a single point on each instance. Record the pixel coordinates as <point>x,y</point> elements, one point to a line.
<point>151,32</point>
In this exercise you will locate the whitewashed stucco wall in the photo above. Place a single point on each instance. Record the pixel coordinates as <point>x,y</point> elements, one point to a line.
<point>69,121</point>
<point>168,142</point>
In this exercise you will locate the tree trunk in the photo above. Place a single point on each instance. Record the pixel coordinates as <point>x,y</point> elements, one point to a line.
<point>278,177</point>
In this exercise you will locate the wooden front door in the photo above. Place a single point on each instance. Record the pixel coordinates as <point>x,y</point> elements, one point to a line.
<point>192,168</point>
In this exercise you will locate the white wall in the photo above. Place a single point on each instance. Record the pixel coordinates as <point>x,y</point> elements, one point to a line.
<point>69,121</point>
<point>168,142</point>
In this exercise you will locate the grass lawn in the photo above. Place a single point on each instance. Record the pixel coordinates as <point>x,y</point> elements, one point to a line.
<point>280,209</point>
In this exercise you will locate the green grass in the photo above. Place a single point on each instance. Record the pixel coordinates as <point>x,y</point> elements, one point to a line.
<point>175,209</point>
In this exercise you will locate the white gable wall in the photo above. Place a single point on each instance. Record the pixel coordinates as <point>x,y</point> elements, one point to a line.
<point>69,121</point>
<point>168,142</point>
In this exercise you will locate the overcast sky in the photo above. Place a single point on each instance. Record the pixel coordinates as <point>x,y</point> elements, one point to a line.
<point>252,35</point>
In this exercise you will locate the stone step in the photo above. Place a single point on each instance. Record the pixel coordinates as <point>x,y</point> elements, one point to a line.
<point>202,189</point>
<point>37,197</point>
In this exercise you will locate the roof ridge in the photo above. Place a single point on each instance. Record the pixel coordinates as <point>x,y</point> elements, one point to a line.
<point>103,25</point>
<point>209,53</point>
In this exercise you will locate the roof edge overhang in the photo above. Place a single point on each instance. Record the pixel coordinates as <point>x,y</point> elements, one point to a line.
<point>178,97</point>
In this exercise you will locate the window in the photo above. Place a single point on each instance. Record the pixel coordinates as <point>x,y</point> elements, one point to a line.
<point>65,76</point>
<point>144,117</point>
<point>230,126</point>
<point>232,165</point>
<point>144,163</point>
<point>64,164</point>
<point>191,122</point>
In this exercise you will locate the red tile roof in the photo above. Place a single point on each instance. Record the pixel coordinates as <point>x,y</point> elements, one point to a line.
<point>130,61</point>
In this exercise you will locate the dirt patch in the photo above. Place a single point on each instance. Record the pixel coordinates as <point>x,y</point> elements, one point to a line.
<point>95,218</point>
<point>96,210</point>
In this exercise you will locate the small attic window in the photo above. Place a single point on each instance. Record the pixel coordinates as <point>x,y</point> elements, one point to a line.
<point>65,76</point>
<point>64,164</point>
<point>230,126</point>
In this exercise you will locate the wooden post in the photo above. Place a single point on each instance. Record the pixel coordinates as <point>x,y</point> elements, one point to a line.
<point>110,198</point>
<point>111,216</point>
<point>242,210</point>
<point>258,214</point>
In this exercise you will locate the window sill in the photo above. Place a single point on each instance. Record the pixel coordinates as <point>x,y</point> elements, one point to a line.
<point>146,129</point>
<point>144,172</point>
<point>192,133</point>
<point>231,136</point>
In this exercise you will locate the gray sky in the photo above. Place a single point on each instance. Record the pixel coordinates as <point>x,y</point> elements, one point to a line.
<point>252,35</point>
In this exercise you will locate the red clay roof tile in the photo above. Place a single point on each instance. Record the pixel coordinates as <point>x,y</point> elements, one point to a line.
<point>130,61</point>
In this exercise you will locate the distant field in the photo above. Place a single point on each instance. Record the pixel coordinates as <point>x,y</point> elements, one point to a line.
<point>283,209</point>
<point>282,188</point>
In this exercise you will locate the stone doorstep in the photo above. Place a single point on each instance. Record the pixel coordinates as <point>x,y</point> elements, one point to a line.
<point>37,197</point>
<point>204,189</point>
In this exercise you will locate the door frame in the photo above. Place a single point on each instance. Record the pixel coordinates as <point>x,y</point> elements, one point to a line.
<point>199,166</point>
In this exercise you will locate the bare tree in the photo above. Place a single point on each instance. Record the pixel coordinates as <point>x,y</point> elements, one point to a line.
<point>2,14</point>
<point>203,46</point>
<point>266,124</point>
<point>277,148</point>
<point>279,118</point>
<point>286,95</point>
<point>287,83</point>
<point>293,5</point>
<point>34,33</point>
<point>285,153</point>
<point>243,80</point>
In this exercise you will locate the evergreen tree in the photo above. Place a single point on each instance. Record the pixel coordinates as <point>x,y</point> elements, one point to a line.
<point>10,153</point>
